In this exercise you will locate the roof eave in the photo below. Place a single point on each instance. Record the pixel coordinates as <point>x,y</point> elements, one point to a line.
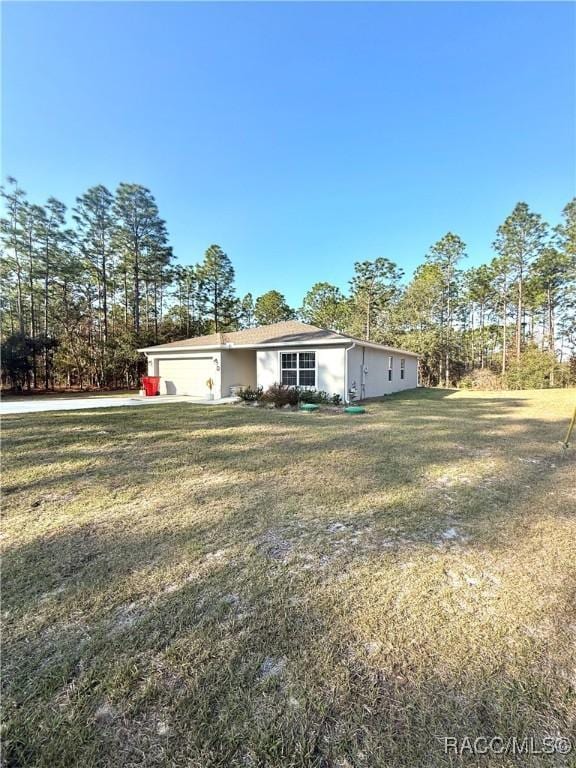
<point>300,343</point>
<point>373,345</point>
<point>254,345</point>
<point>161,348</point>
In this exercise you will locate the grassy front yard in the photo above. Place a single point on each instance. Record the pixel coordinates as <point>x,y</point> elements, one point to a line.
<point>228,586</point>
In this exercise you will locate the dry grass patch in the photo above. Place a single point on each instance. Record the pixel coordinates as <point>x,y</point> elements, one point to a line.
<point>202,587</point>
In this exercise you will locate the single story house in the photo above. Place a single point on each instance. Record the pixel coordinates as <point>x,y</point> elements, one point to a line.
<point>291,352</point>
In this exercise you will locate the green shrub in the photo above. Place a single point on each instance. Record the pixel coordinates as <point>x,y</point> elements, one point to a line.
<point>313,396</point>
<point>280,394</point>
<point>249,395</point>
<point>565,375</point>
<point>318,397</point>
<point>533,370</point>
<point>307,395</point>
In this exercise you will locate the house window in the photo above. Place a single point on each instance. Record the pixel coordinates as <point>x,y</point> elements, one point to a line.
<point>390,361</point>
<point>402,367</point>
<point>298,369</point>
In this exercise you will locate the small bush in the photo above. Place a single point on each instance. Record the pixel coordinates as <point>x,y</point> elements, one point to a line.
<point>250,395</point>
<point>481,378</point>
<point>307,395</point>
<point>280,395</point>
<point>319,398</point>
<point>312,396</point>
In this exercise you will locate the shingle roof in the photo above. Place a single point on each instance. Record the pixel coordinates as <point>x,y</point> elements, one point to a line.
<point>287,332</point>
<point>281,333</point>
<point>212,340</point>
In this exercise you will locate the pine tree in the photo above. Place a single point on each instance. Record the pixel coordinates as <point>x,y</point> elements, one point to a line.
<point>96,227</point>
<point>140,233</point>
<point>447,253</point>
<point>374,285</point>
<point>11,234</point>
<point>188,300</point>
<point>417,315</point>
<point>53,238</point>
<point>272,307</point>
<point>247,311</point>
<point>216,288</point>
<point>325,306</point>
<point>565,242</point>
<point>500,268</point>
<point>520,240</point>
<point>479,293</point>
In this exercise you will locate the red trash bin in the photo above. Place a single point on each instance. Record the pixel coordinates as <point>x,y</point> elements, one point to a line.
<point>151,385</point>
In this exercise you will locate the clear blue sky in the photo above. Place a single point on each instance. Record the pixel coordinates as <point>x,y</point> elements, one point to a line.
<point>300,137</point>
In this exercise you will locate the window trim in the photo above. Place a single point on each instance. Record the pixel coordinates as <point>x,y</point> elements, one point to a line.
<point>297,369</point>
<point>402,367</point>
<point>390,366</point>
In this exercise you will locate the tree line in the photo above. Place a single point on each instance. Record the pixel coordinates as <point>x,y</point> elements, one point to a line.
<point>83,288</point>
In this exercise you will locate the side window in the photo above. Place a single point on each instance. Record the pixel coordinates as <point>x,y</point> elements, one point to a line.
<point>289,368</point>
<point>390,362</point>
<point>307,369</point>
<point>402,367</point>
<point>298,369</point>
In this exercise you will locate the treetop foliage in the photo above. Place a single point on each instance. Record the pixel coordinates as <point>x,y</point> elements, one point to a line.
<point>82,289</point>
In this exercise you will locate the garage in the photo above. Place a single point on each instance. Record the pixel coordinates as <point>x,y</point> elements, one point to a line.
<point>185,376</point>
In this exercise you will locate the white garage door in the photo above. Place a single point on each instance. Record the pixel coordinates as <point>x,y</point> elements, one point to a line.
<point>185,377</point>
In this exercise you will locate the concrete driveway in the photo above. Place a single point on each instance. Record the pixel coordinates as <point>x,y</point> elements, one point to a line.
<point>41,405</point>
<point>33,405</point>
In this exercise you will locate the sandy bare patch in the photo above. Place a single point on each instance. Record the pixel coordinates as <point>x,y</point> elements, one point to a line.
<point>272,667</point>
<point>126,616</point>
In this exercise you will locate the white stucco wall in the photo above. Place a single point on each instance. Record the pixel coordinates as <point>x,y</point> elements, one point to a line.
<point>330,366</point>
<point>262,368</point>
<point>411,375</point>
<point>374,382</point>
<point>355,368</point>
<point>238,367</point>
